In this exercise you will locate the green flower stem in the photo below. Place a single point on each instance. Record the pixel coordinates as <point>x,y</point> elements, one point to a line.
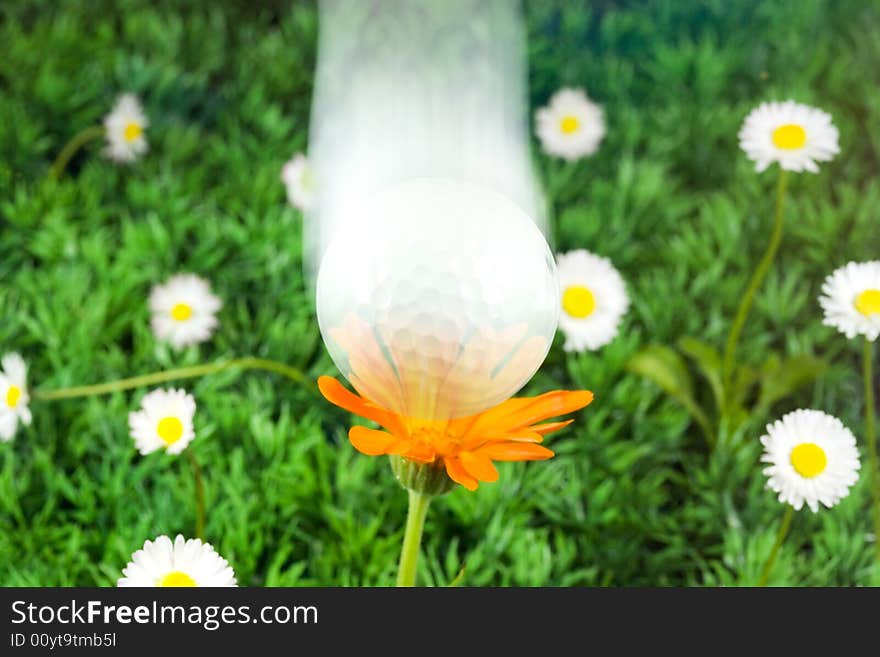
<point>78,141</point>
<point>774,552</point>
<point>173,375</point>
<point>871,440</point>
<point>200,495</point>
<point>755,283</point>
<point>412,538</point>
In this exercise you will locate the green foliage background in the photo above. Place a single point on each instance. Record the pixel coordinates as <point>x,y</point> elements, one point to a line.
<point>633,498</point>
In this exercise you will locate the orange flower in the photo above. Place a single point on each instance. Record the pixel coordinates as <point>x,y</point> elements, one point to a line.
<point>466,446</point>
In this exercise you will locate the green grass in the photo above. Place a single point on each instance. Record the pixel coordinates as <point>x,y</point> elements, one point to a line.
<point>633,496</point>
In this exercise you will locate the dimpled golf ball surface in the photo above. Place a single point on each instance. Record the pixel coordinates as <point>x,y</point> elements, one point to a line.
<point>437,299</point>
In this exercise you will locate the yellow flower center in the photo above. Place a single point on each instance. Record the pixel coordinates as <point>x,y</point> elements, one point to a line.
<point>132,131</point>
<point>578,301</point>
<point>868,302</point>
<point>170,430</point>
<point>177,578</point>
<point>12,396</point>
<point>808,460</point>
<point>181,312</point>
<point>789,136</point>
<point>569,124</point>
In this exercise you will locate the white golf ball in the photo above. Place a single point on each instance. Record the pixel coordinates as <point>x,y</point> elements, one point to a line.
<point>437,298</point>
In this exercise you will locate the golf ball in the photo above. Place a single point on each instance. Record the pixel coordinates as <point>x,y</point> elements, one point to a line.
<point>437,298</point>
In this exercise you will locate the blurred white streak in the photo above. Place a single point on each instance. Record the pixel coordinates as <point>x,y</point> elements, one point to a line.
<point>416,88</point>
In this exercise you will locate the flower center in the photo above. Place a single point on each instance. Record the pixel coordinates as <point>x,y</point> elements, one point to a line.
<point>436,440</point>
<point>868,302</point>
<point>132,131</point>
<point>12,396</point>
<point>177,578</point>
<point>170,430</point>
<point>569,124</point>
<point>789,137</point>
<point>181,312</point>
<point>808,460</point>
<point>578,301</point>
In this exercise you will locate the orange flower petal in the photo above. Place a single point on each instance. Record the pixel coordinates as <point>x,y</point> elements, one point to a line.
<point>338,394</point>
<point>459,475</point>
<point>418,452</point>
<point>522,411</point>
<point>551,404</point>
<point>478,466</point>
<point>370,441</point>
<point>549,427</point>
<point>515,452</point>
<point>517,437</point>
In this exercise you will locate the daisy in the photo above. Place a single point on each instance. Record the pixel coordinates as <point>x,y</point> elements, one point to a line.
<point>593,297</point>
<point>13,396</point>
<point>124,127</point>
<point>813,458</point>
<point>571,126</point>
<point>794,135</point>
<point>164,421</point>
<point>183,310</point>
<point>299,179</point>
<point>182,563</point>
<point>851,299</point>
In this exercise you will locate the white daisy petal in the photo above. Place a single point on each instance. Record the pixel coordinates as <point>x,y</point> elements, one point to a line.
<point>812,458</point>
<point>14,397</point>
<point>164,421</point>
<point>183,563</point>
<point>14,369</point>
<point>124,129</point>
<point>851,299</point>
<point>8,424</point>
<point>593,299</point>
<point>571,126</point>
<point>183,310</point>
<point>299,180</point>
<point>793,135</point>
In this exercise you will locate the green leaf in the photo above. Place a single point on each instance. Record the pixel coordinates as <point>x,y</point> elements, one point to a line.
<point>735,414</point>
<point>780,378</point>
<point>708,361</point>
<point>744,377</point>
<point>664,367</point>
<point>456,582</point>
<point>668,370</point>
